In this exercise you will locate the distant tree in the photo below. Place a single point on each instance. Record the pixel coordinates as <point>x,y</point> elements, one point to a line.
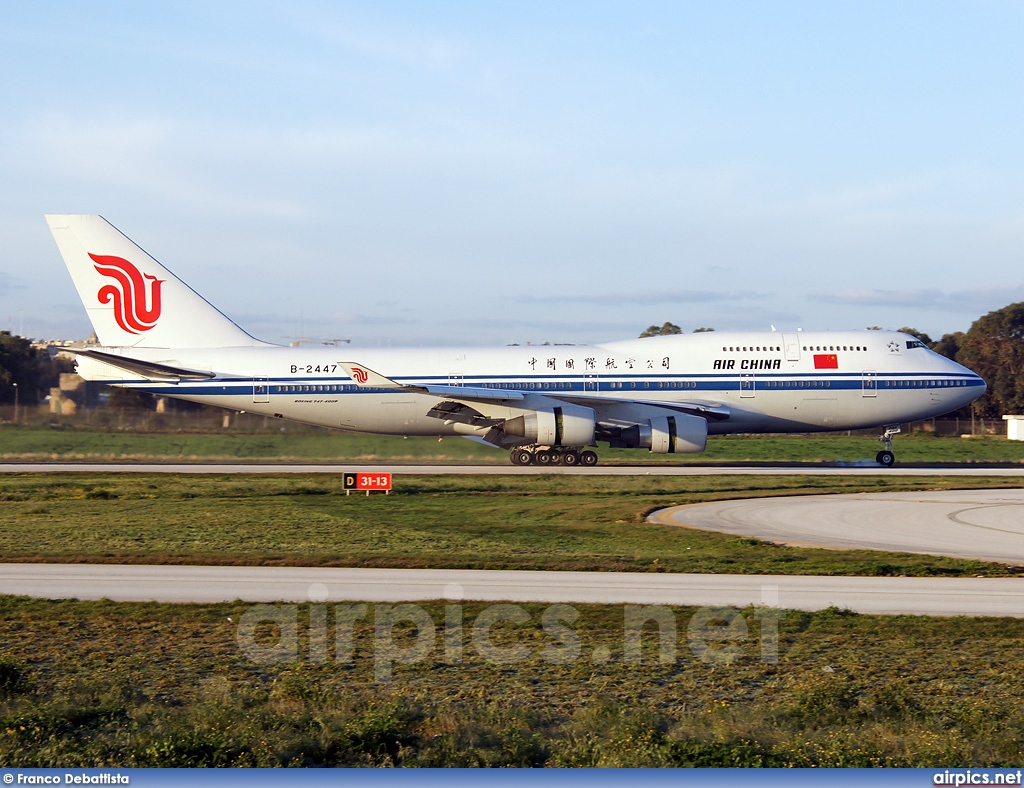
<point>875,328</point>
<point>130,399</point>
<point>994,348</point>
<point>949,345</point>
<point>19,363</point>
<point>702,330</point>
<point>919,334</point>
<point>665,330</point>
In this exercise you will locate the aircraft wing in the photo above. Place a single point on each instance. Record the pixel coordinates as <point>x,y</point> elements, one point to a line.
<point>706,410</point>
<point>367,378</point>
<point>472,393</point>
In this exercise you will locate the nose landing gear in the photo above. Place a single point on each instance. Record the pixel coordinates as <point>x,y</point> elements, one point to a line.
<point>885,457</point>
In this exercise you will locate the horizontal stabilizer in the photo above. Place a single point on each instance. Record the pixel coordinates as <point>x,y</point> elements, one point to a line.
<point>147,369</point>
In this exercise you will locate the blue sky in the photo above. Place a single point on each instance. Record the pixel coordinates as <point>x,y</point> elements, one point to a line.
<point>484,173</point>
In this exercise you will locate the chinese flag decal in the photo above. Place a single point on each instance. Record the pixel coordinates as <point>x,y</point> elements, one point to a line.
<point>826,361</point>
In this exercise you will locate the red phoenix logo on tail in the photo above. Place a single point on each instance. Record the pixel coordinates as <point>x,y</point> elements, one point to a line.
<point>360,375</point>
<point>131,293</point>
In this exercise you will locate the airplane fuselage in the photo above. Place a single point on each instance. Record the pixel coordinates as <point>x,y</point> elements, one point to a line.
<point>764,382</point>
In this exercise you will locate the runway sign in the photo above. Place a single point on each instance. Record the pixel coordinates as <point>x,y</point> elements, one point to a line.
<point>366,482</point>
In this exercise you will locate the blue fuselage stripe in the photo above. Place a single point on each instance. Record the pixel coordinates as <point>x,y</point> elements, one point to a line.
<point>765,382</point>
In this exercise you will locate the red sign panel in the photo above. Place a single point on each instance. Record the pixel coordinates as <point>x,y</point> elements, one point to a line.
<point>367,481</point>
<point>373,481</point>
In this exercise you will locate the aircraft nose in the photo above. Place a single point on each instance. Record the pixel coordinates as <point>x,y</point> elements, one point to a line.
<point>976,385</point>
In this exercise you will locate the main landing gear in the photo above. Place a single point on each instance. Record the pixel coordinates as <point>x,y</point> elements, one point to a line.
<point>886,457</point>
<point>535,455</point>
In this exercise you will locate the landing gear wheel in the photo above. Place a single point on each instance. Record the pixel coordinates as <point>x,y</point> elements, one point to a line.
<point>543,457</point>
<point>885,457</point>
<point>588,458</point>
<point>521,457</point>
<point>556,456</point>
<point>570,458</point>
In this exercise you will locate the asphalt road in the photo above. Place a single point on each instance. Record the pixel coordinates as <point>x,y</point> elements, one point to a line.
<point>984,524</point>
<point>862,469</point>
<point>891,595</point>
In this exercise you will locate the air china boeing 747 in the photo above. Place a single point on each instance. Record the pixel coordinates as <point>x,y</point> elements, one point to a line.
<point>548,404</point>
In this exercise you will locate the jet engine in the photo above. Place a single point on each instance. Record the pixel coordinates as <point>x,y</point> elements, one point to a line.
<point>559,425</point>
<point>678,434</point>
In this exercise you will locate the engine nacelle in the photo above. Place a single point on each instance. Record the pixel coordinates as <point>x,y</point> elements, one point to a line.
<point>560,425</point>
<point>678,434</point>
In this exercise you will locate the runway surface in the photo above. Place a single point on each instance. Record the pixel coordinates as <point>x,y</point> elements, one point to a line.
<point>896,595</point>
<point>984,524</point>
<point>863,469</point>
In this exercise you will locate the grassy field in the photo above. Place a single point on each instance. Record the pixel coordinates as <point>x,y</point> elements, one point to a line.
<point>49,443</point>
<point>100,684</point>
<point>535,522</point>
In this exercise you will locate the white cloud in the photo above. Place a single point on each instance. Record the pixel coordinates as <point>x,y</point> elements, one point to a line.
<point>968,300</point>
<point>9,282</point>
<point>873,297</point>
<point>648,297</point>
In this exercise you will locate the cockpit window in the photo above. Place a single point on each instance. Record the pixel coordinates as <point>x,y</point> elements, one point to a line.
<point>912,343</point>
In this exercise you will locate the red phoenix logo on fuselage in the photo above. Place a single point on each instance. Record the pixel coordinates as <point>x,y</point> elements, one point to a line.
<point>360,375</point>
<point>136,300</point>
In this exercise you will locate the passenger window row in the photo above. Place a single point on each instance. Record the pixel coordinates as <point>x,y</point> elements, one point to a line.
<point>928,384</point>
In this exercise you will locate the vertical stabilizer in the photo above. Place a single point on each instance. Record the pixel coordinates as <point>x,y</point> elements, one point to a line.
<point>131,299</point>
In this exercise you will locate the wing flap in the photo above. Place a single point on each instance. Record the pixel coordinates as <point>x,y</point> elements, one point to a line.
<point>462,413</point>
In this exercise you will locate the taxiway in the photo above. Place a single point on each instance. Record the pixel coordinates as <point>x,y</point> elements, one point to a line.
<point>889,595</point>
<point>862,469</point>
<point>987,525</point>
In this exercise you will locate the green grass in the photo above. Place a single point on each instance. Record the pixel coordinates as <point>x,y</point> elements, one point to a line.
<point>297,444</point>
<point>101,684</point>
<point>46,444</point>
<point>534,522</point>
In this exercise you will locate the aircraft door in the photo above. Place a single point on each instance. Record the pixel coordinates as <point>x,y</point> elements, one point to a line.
<point>261,390</point>
<point>590,382</point>
<point>869,385</point>
<point>791,343</point>
<point>747,385</point>
<point>456,376</point>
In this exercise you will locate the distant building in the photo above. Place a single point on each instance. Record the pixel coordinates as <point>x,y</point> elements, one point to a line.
<point>1014,427</point>
<point>53,346</point>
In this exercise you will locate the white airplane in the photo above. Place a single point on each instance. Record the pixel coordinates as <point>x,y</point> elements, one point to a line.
<point>548,404</point>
